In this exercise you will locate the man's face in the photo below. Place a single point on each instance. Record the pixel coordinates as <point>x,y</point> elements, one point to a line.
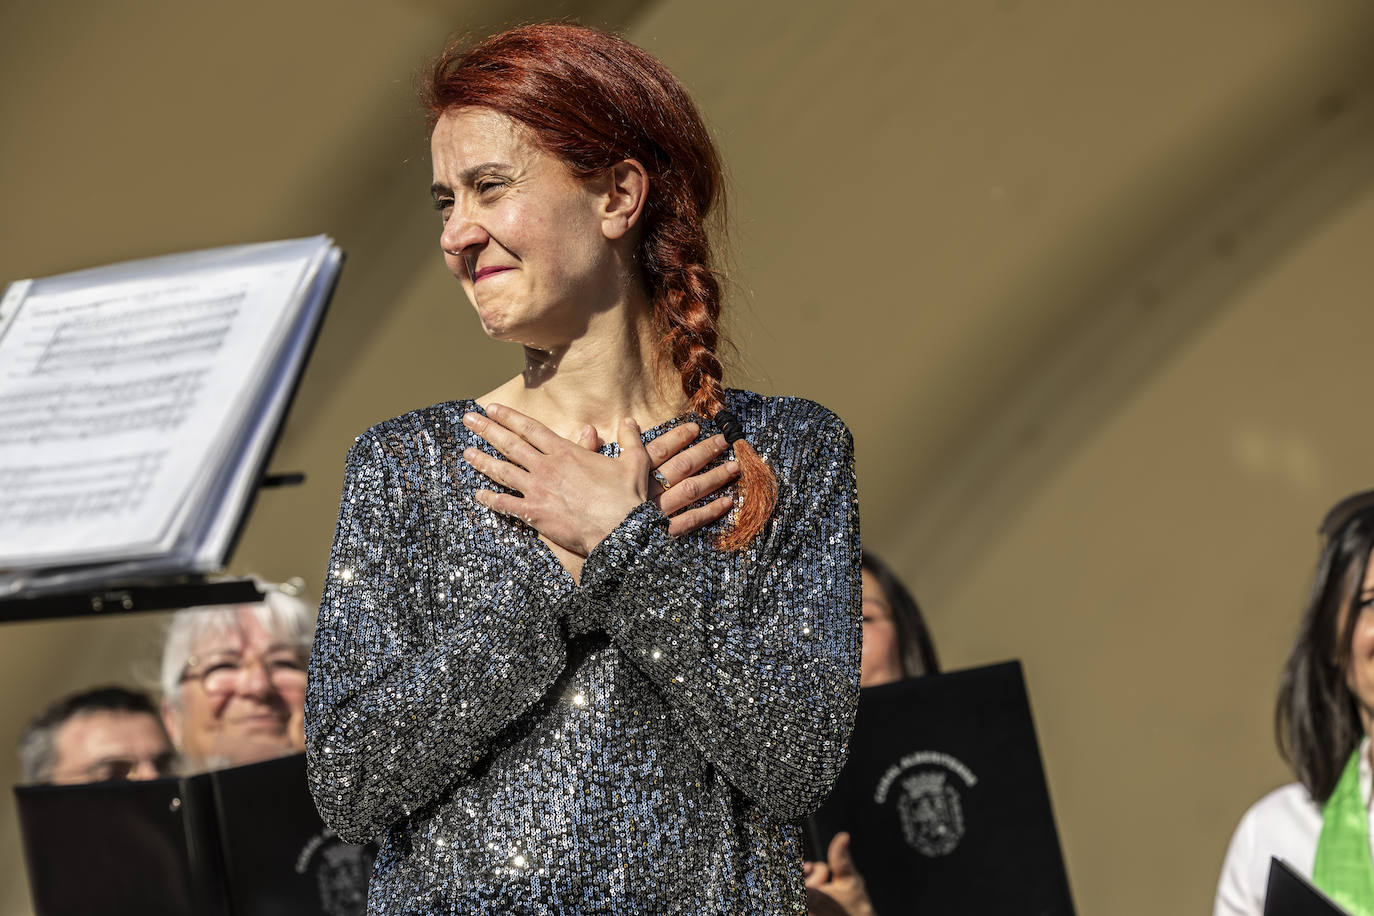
<point>103,745</point>
<point>243,697</point>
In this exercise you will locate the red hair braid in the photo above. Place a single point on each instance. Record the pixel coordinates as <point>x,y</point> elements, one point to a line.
<point>687,307</point>
<point>593,99</point>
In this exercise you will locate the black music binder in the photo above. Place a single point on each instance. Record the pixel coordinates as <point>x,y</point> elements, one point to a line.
<point>944,796</point>
<point>1290,894</point>
<point>244,841</point>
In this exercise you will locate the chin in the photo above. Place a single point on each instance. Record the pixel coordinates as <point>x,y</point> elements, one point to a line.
<point>258,728</point>
<point>522,334</point>
<point>497,326</point>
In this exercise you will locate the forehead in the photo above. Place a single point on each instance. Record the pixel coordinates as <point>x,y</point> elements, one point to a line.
<point>467,136</point>
<point>242,633</point>
<point>105,731</point>
<point>872,589</point>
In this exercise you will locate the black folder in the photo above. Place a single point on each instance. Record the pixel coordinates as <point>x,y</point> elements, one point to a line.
<point>944,797</point>
<point>1290,894</point>
<point>244,841</point>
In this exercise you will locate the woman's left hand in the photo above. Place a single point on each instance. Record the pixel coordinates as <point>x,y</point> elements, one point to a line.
<point>838,880</point>
<point>571,494</point>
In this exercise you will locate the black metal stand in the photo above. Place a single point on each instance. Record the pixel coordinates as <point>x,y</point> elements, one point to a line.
<point>145,595</point>
<point>187,591</point>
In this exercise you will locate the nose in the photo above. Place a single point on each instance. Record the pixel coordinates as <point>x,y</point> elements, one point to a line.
<point>254,680</point>
<point>461,236</point>
<point>145,769</point>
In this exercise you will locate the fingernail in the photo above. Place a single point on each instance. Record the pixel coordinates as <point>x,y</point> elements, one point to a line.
<point>471,419</point>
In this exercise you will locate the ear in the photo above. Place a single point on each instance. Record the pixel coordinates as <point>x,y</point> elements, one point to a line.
<point>625,190</point>
<point>171,720</point>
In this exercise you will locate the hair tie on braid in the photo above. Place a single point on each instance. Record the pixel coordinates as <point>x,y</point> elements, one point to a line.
<point>729,426</point>
<point>757,488</point>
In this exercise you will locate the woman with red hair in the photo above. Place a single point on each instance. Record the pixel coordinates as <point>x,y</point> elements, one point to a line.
<point>589,642</point>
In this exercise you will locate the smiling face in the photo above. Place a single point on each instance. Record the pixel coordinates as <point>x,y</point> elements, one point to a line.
<point>1359,673</point>
<point>526,238</point>
<point>242,696</point>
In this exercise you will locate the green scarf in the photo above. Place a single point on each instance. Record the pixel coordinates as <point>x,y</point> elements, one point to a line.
<point>1344,867</point>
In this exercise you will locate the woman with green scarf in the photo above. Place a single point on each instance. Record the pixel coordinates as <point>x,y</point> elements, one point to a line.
<point>1324,718</point>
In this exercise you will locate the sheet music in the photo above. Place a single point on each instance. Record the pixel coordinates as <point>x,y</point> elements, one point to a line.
<point>118,399</point>
<point>244,480</point>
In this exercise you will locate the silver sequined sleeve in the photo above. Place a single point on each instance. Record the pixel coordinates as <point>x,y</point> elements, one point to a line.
<point>389,710</point>
<point>746,653</point>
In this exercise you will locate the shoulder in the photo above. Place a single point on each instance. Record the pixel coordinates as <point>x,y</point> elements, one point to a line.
<point>415,426</point>
<point>1286,810</point>
<point>416,442</point>
<point>785,420</point>
<point>1285,823</point>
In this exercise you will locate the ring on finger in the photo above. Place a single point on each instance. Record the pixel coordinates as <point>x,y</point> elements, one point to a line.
<point>662,481</point>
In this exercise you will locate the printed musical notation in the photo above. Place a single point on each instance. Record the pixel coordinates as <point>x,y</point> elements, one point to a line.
<point>158,403</point>
<point>76,492</point>
<point>136,336</point>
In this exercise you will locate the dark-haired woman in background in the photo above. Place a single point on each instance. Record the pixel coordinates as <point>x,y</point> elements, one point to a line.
<point>897,645</point>
<point>549,669</point>
<point>1325,710</point>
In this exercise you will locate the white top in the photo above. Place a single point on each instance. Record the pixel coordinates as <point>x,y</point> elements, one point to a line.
<point>1285,823</point>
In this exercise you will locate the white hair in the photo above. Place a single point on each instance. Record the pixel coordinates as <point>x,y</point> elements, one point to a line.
<point>281,613</point>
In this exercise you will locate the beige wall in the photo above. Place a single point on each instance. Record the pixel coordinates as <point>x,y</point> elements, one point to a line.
<point>928,198</point>
<point>1154,583</point>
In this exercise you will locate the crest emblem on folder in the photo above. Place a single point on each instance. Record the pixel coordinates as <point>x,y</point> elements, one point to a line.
<point>932,815</point>
<point>927,800</point>
<point>341,872</point>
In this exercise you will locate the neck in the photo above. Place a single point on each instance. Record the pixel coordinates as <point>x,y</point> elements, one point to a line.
<point>610,372</point>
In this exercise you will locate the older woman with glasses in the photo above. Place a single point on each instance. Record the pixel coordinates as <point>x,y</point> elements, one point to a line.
<point>233,680</point>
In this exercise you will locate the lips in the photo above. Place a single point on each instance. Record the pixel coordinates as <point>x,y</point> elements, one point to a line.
<point>484,272</point>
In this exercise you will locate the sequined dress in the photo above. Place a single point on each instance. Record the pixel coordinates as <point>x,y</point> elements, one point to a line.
<point>641,743</point>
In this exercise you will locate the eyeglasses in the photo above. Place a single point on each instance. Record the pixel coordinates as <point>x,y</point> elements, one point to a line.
<point>285,672</point>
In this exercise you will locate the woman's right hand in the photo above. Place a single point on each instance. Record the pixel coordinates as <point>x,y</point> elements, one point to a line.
<point>683,465</point>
